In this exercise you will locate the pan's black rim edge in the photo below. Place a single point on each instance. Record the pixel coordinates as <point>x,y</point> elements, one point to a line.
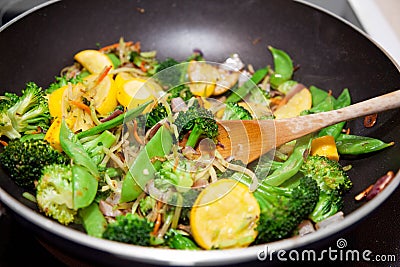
<point>182,257</point>
<point>27,12</point>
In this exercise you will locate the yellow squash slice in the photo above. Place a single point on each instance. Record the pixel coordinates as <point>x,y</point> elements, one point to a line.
<point>93,60</point>
<point>224,215</point>
<point>299,102</point>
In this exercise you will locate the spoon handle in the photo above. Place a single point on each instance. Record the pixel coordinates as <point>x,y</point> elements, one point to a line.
<point>293,128</point>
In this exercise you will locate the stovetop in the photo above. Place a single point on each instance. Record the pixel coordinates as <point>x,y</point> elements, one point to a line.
<point>379,232</point>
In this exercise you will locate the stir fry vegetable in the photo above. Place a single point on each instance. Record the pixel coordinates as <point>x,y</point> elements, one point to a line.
<point>126,146</point>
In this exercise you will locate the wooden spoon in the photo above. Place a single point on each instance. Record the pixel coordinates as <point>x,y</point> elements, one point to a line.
<point>247,140</point>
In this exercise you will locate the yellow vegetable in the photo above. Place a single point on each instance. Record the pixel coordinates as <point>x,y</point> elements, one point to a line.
<point>224,215</point>
<point>135,92</point>
<point>55,102</point>
<point>299,102</point>
<point>53,133</point>
<point>93,60</point>
<point>104,95</point>
<point>325,146</point>
<point>122,78</point>
<point>203,78</point>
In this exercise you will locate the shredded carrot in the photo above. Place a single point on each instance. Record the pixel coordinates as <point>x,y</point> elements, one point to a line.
<point>143,67</point>
<point>80,105</point>
<point>4,143</point>
<point>113,46</point>
<point>102,75</point>
<point>157,224</point>
<point>135,133</point>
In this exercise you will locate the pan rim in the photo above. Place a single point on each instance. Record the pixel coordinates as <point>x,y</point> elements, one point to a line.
<point>183,257</point>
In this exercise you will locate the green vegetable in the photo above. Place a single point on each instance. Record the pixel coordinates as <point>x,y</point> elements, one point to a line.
<point>318,95</point>
<point>167,63</point>
<point>235,112</point>
<point>283,67</point>
<point>240,92</point>
<point>292,165</point>
<point>145,60</point>
<point>199,121</point>
<point>26,115</point>
<point>75,150</point>
<point>157,114</point>
<point>95,146</point>
<point>54,193</point>
<point>282,208</point>
<point>24,160</point>
<point>131,229</point>
<point>84,186</point>
<point>177,175</point>
<point>144,168</point>
<point>286,86</point>
<point>178,240</point>
<point>147,204</point>
<point>332,181</point>
<point>342,101</point>
<point>93,220</point>
<point>114,59</point>
<point>85,158</point>
<point>119,120</point>
<point>182,91</point>
<point>348,144</point>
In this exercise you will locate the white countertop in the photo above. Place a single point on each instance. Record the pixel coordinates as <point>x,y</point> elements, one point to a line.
<point>381,20</point>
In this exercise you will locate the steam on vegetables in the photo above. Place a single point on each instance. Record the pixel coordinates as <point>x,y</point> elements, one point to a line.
<point>126,145</point>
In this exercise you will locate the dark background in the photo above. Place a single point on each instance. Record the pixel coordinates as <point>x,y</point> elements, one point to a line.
<point>379,232</point>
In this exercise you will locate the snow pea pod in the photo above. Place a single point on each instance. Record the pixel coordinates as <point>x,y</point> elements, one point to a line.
<point>318,95</point>
<point>84,186</point>
<point>292,165</point>
<point>93,220</point>
<point>119,120</point>
<point>283,67</point>
<point>75,150</point>
<point>143,168</point>
<point>348,144</point>
<point>342,101</point>
<point>243,90</point>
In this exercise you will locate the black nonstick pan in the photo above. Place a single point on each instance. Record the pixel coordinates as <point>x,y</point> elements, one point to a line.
<point>331,54</point>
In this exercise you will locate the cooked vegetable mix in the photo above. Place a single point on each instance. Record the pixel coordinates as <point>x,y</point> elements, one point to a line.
<point>126,145</point>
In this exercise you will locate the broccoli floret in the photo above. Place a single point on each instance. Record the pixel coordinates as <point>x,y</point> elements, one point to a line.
<point>24,160</point>
<point>29,113</point>
<point>147,204</point>
<point>332,181</point>
<point>177,175</point>
<point>182,91</point>
<point>157,114</point>
<point>130,228</point>
<point>95,147</point>
<point>169,62</point>
<point>170,73</point>
<point>178,240</point>
<point>235,112</point>
<point>8,100</point>
<point>282,208</point>
<point>199,121</point>
<point>329,203</point>
<point>54,193</point>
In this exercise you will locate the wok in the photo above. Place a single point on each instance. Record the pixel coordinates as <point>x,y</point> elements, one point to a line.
<point>332,54</point>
